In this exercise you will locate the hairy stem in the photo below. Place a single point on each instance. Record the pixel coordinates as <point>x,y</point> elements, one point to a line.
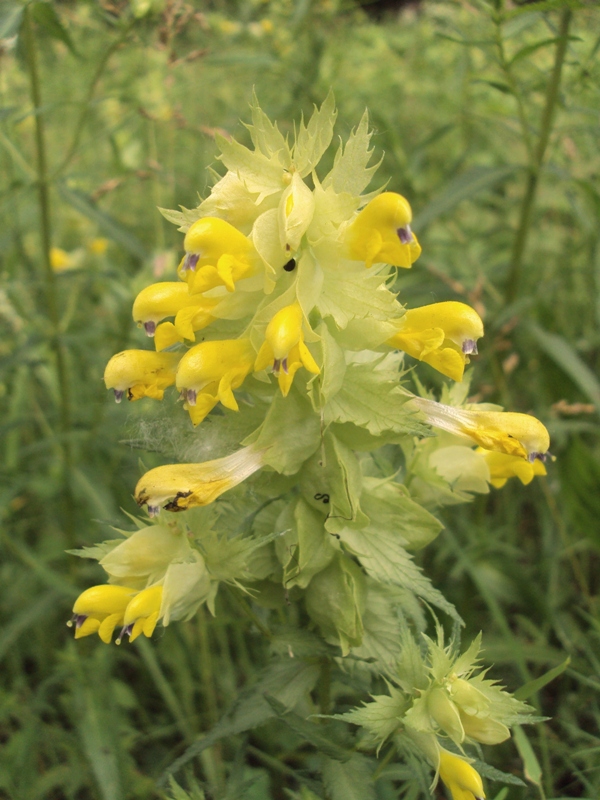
<point>537,160</point>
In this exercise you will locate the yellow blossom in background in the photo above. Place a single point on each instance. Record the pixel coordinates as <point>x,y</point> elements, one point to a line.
<point>140,373</point>
<point>284,347</point>
<point>381,233</point>
<point>141,614</point>
<point>181,486</point>
<point>208,373</point>
<point>463,781</point>
<point>442,334</point>
<point>502,431</point>
<point>62,261</point>
<point>98,246</point>
<point>217,254</point>
<point>100,609</point>
<point>503,466</point>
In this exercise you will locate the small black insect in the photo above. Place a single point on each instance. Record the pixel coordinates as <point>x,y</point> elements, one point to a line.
<point>323,497</point>
<point>290,266</point>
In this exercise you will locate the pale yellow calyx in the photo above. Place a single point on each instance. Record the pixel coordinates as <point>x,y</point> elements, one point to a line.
<point>502,431</point>
<point>217,254</point>
<point>141,614</point>
<point>99,610</point>
<point>209,372</point>
<point>381,233</point>
<point>441,334</point>
<point>179,486</point>
<point>140,373</point>
<point>161,300</point>
<point>284,348</point>
<point>462,780</point>
<point>503,466</point>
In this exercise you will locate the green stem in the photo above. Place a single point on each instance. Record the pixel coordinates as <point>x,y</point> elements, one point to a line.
<point>46,241</point>
<point>324,686</point>
<point>537,160</point>
<point>249,613</point>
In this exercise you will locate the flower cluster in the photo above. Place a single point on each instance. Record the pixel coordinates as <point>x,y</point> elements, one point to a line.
<point>285,311</point>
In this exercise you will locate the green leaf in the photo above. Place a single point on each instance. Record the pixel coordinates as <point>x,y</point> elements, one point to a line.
<point>177,793</point>
<point>46,17</point>
<point>287,681</point>
<point>464,187</point>
<point>96,551</point>
<point>371,398</point>
<point>349,781</point>
<point>531,766</point>
<point>309,546</point>
<point>390,509</point>
<point>531,687</point>
<point>291,432</point>
<point>381,643</point>
<point>561,352</point>
<point>381,717</point>
<point>532,48</point>
<point>347,295</point>
<point>266,136</point>
<point>313,139</point>
<point>384,558</point>
<point>107,223</point>
<point>311,733</point>
<point>332,482</point>
<point>350,172</point>
<point>259,173</point>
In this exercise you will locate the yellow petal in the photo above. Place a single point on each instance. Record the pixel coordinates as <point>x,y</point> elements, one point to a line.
<point>307,360</point>
<point>166,336</point>
<point>447,361</point>
<point>89,626</point>
<point>463,781</point>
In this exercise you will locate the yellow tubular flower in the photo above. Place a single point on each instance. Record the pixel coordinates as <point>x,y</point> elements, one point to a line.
<point>217,254</point>
<point>463,781</point>
<point>141,615</point>
<point>140,373</point>
<point>208,373</point>
<point>284,347</point>
<point>188,485</point>
<point>161,300</point>
<point>61,261</point>
<point>442,334</point>
<point>501,431</point>
<point>99,610</point>
<point>381,233</point>
<point>502,467</point>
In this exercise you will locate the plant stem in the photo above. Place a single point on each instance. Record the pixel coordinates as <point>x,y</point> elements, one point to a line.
<point>537,160</point>
<point>324,686</point>
<point>46,241</point>
<point>249,613</point>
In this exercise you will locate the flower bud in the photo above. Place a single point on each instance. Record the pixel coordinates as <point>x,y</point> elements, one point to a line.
<point>463,781</point>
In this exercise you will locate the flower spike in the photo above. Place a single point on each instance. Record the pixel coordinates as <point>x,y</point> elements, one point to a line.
<point>181,486</point>
<point>442,334</point>
<point>140,373</point>
<point>284,347</point>
<point>381,233</point>
<point>501,431</point>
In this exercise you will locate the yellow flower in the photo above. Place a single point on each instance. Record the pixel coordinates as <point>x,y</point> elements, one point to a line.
<point>503,466</point>
<point>99,610</point>
<point>166,299</point>
<point>188,485</point>
<point>381,233</point>
<point>284,347</point>
<point>217,254</point>
<point>98,246</point>
<point>141,615</point>
<point>208,373</point>
<point>442,334</point>
<point>61,261</point>
<point>501,431</point>
<point>140,373</point>
<point>463,781</point>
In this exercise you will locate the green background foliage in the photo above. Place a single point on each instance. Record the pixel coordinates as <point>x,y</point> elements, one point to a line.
<point>486,118</point>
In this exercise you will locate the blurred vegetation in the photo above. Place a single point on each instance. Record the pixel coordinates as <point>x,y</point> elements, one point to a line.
<point>487,118</point>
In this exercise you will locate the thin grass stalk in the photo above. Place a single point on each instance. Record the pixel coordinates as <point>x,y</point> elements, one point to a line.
<point>51,293</point>
<point>537,160</point>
